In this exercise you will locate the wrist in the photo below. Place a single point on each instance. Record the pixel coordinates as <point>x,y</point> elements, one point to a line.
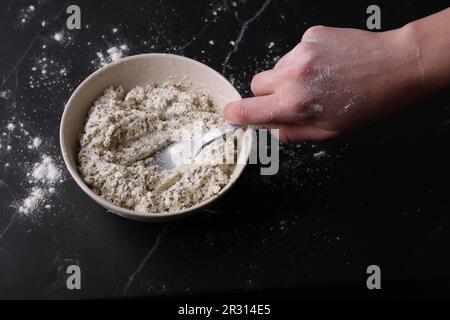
<point>403,75</point>
<point>410,55</point>
<point>429,39</point>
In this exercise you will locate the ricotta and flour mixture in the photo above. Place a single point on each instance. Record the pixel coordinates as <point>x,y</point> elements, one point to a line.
<point>125,129</point>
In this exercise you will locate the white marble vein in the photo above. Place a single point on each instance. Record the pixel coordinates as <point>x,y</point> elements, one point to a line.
<point>162,35</point>
<point>242,32</point>
<point>13,216</point>
<point>203,29</point>
<point>144,261</point>
<point>19,61</point>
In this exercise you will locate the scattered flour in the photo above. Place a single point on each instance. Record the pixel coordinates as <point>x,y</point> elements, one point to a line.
<point>32,201</point>
<point>45,175</point>
<point>26,14</point>
<point>58,36</point>
<point>46,171</point>
<point>35,144</point>
<point>112,54</point>
<point>41,179</point>
<point>5,94</point>
<point>320,154</point>
<point>47,72</point>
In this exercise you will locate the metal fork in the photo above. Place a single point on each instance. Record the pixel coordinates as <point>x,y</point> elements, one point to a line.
<point>182,152</point>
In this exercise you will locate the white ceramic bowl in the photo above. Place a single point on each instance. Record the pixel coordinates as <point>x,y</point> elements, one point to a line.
<point>135,71</point>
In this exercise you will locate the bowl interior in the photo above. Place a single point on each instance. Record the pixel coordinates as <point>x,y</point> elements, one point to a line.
<point>137,71</point>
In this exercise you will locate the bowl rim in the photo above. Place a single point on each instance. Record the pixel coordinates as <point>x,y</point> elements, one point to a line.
<point>128,213</point>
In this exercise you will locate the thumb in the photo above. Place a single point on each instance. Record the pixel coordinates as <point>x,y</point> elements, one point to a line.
<point>255,110</point>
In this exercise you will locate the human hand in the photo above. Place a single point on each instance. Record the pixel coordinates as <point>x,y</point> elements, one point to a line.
<point>333,81</point>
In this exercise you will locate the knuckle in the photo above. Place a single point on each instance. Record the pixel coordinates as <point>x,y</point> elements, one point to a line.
<point>296,72</point>
<point>306,47</point>
<point>314,32</point>
<point>241,114</point>
<point>309,58</point>
<point>304,63</point>
<point>256,81</point>
<point>302,50</point>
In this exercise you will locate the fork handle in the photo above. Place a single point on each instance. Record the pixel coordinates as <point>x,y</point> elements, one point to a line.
<point>218,132</point>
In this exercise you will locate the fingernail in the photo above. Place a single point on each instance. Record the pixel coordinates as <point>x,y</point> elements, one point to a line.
<point>227,108</point>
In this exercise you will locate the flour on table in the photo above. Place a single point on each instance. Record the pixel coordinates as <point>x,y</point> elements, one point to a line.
<point>46,171</point>
<point>33,200</point>
<point>43,177</point>
<point>26,14</point>
<point>58,36</point>
<point>36,143</point>
<point>124,130</point>
<point>5,94</point>
<point>39,180</point>
<point>320,154</point>
<point>112,54</point>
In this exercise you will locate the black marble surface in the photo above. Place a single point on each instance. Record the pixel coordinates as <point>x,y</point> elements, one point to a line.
<point>379,196</point>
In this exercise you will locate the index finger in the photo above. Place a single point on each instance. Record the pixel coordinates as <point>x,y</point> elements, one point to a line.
<point>255,110</point>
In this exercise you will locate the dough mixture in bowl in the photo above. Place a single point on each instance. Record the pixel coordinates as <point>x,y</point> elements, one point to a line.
<point>124,130</point>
